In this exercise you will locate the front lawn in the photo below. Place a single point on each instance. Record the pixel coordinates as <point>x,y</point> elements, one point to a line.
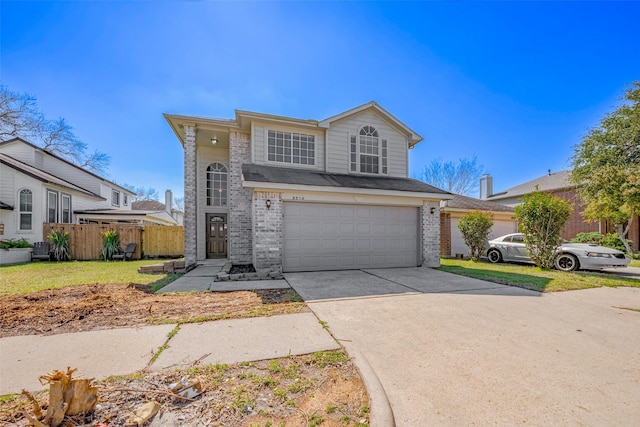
<point>531,277</point>
<point>37,276</point>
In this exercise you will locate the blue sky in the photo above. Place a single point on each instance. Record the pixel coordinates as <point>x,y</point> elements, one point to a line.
<point>515,83</point>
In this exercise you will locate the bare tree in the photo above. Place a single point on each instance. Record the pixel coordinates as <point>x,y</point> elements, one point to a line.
<point>143,193</point>
<point>461,178</point>
<point>178,203</point>
<point>20,117</point>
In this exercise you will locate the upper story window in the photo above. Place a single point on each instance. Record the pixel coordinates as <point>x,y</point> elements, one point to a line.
<point>26,209</point>
<point>216,185</point>
<point>52,206</point>
<point>115,198</point>
<point>291,147</point>
<point>368,153</point>
<point>125,200</point>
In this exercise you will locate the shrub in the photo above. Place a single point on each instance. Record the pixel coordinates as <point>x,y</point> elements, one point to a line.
<point>540,217</point>
<point>60,243</point>
<point>110,245</point>
<point>611,240</point>
<point>13,244</point>
<point>475,227</point>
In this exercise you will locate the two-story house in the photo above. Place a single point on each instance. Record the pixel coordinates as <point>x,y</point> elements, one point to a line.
<point>290,194</point>
<point>37,186</point>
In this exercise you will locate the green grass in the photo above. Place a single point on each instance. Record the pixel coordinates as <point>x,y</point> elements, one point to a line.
<point>635,263</point>
<point>37,276</point>
<point>534,278</point>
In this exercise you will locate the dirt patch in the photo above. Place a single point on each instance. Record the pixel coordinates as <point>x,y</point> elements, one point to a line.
<point>116,305</point>
<point>293,391</point>
<point>319,389</point>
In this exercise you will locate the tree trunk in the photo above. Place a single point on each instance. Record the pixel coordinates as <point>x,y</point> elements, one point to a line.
<point>622,231</point>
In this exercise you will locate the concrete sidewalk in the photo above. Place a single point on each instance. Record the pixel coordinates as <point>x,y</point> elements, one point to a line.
<point>103,353</point>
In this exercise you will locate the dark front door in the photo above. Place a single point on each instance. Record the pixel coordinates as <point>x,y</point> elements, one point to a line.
<point>216,235</point>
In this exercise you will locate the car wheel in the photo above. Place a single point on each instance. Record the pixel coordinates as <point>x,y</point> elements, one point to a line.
<point>566,262</point>
<point>494,256</point>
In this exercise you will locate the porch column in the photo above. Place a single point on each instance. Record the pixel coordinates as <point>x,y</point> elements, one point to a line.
<point>190,191</point>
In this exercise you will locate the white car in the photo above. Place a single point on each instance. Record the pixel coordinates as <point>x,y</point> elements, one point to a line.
<point>571,256</point>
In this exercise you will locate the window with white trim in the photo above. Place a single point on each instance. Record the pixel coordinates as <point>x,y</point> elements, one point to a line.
<point>368,153</point>
<point>52,206</point>
<point>217,184</point>
<point>65,209</point>
<point>115,198</point>
<point>26,209</point>
<point>291,147</point>
<point>125,199</point>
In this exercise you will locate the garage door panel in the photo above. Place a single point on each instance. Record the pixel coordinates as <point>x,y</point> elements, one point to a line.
<point>328,237</point>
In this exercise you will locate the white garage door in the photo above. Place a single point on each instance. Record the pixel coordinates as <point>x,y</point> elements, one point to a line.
<point>341,237</point>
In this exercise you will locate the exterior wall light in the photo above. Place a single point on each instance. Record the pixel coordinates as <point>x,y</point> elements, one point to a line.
<point>433,210</point>
<point>268,204</point>
<point>214,140</point>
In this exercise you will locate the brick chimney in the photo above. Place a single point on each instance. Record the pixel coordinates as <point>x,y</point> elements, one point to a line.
<point>486,186</point>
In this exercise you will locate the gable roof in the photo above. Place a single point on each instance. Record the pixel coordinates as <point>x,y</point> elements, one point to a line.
<point>284,175</point>
<point>549,182</point>
<point>62,159</point>
<point>243,120</point>
<point>460,202</point>
<point>43,176</point>
<point>414,136</point>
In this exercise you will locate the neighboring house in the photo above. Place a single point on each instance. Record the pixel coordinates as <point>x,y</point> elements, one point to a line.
<point>558,184</point>
<point>451,240</point>
<point>161,211</point>
<point>38,187</point>
<point>290,194</point>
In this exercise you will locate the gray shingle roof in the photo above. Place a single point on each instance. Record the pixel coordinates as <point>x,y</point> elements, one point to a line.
<point>5,206</point>
<point>43,176</point>
<point>470,203</point>
<point>553,181</point>
<point>147,205</point>
<point>261,173</point>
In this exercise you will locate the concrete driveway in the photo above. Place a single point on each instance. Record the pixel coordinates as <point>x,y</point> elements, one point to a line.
<point>455,351</point>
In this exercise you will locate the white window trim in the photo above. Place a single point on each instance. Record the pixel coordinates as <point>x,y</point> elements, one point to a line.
<point>113,193</point>
<point>56,206</point>
<point>125,199</point>
<point>61,215</point>
<point>381,163</point>
<point>315,136</point>
<point>20,212</point>
<point>206,186</point>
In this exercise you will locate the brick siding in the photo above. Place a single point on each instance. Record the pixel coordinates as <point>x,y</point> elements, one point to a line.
<point>267,232</point>
<point>190,204</point>
<point>430,234</point>
<point>240,236</point>
<point>445,234</point>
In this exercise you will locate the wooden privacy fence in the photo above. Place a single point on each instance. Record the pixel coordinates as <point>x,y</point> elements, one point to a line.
<point>85,240</point>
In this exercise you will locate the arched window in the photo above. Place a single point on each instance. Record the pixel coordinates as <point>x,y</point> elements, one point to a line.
<point>368,152</point>
<point>216,185</point>
<point>26,209</point>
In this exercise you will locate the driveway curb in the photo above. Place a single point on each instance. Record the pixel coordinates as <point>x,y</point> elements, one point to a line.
<point>381,413</point>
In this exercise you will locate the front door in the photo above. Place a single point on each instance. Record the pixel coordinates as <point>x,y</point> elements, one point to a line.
<point>216,235</point>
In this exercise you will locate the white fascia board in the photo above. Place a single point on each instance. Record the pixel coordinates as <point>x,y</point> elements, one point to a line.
<point>270,186</point>
<point>268,118</point>
<point>176,121</point>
